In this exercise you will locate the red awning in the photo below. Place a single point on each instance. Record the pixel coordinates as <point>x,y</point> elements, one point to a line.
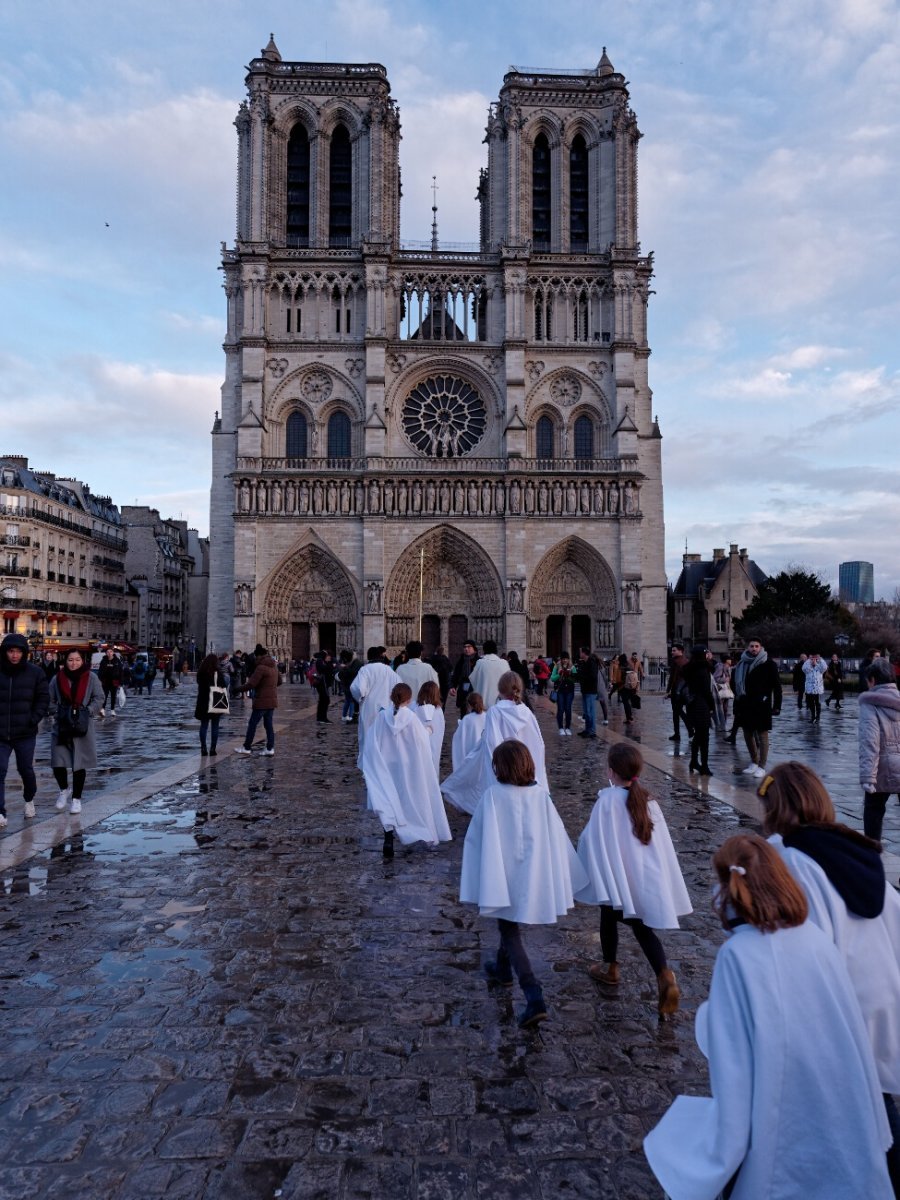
<point>10,614</point>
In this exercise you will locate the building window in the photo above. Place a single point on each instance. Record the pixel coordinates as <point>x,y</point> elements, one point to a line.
<point>540,192</point>
<point>338,435</point>
<point>721,620</point>
<point>340,188</point>
<point>296,440</point>
<point>9,624</point>
<point>298,189</point>
<point>578,194</point>
<point>584,438</point>
<point>544,438</point>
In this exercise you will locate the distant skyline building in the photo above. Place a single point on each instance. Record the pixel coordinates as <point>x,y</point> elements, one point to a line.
<point>856,583</point>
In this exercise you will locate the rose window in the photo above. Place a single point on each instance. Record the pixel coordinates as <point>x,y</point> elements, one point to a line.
<point>444,417</point>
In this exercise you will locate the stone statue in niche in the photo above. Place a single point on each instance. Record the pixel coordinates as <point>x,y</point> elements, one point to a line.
<point>598,497</point>
<point>303,497</point>
<point>242,600</point>
<point>515,498</point>
<point>515,596</point>
<point>373,597</point>
<point>345,497</point>
<point>389,498</point>
<point>430,496</point>
<point>359,496</point>
<point>332,497</point>
<point>473,497</point>
<point>613,498</point>
<point>445,496</point>
<point>585,496</point>
<point>261,505</point>
<point>290,497</point>
<point>630,597</point>
<point>628,498</point>
<point>459,497</point>
<point>499,499</point>
<point>417,497</point>
<point>277,498</point>
<point>402,497</point>
<point>557,498</point>
<point>486,492</point>
<point>374,497</point>
<point>244,496</point>
<point>529,497</point>
<point>543,496</point>
<point>571,498</point>
<point>318,497</point>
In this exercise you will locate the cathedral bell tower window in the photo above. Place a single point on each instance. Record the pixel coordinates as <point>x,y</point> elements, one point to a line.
<point>340,188</point>
<point>578,194</point>
<point>297,231</point>
<point>540,193</point>
<point>584,438</point>
<point>544,438</point>
<point>338,435</point>
<point>296,436</point>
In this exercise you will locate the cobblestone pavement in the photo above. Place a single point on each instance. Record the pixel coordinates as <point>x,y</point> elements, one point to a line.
<point>223,991</point>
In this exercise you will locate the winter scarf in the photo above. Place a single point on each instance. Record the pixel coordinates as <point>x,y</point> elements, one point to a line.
<point>73,685</point>
<point>852,864</point>
<point>745,665</point>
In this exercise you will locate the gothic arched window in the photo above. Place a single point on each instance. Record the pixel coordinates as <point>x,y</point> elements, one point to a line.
<point>540,191</point>
<point>340,188</point>
<point>578,194</point>
<point>584,438</point>
<point>544,438</point>
<point>296,440</point>
<point>338,435</point>
<point>297,229</point>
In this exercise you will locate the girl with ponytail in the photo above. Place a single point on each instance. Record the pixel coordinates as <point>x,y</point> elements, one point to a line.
<point>796,1108</point>
<point>633,871</point>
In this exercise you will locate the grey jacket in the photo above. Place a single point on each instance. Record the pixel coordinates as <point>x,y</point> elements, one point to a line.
<point>879,738</point>
<point>83,751</point>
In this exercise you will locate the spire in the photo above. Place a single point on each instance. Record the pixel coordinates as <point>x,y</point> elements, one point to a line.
<point>604,66</point>
<point>434,231</point>
<point>271,52</point>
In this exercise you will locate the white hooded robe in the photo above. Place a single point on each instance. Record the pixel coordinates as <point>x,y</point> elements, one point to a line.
<point>432,717</point>
<point>401,785</point>
<point>466,737</point>
<point>372,687</point>
<point>504,720</point>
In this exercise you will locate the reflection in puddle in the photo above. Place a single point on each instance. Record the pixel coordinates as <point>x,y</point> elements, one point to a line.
<point>145,832</point>
<point>25,881</point>
<point>147,966</point>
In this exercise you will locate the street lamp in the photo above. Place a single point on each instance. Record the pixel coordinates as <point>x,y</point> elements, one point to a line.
<point>841,641</point>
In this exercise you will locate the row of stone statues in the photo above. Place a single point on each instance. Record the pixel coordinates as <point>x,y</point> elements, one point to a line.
<point>345,498</point>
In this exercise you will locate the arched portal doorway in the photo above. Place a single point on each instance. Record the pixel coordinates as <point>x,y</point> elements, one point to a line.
<point>572,601</point>
<point>461,593</point>
<point>310,604</point>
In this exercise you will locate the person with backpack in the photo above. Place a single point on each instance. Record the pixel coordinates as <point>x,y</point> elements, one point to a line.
<point>110,675</point>
<point>76,697</point>
<point>347,672</point>
<point>24,701</point>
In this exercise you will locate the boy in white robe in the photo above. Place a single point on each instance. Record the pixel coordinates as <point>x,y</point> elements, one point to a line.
<point>508,718</point>
<point>372,688</point>
<point>518,866</point>
<point>796,1110</point>
<point>401,785</point>
<point>429,711</point>
<point>470,729</point>
<point>634,874</point>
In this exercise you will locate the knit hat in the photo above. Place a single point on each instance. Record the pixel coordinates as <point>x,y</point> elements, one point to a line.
<point>259,651</point>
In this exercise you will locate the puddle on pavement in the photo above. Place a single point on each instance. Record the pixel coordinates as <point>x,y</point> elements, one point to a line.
<point>149,831</point>
<point>25,881</point>
<point>147,966</point>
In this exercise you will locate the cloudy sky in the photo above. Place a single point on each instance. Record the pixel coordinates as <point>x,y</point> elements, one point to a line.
<point>769,185</point>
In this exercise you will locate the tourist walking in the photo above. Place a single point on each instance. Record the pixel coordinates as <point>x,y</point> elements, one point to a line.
<point>757,699</point>
<point>834,681</point>
<point>519,867</point>
<point>629,688</point>
<point>879,743</point>
<point>24,701</point>
<point>401,786</point>
<point>76,697</point>
<point>722,684</point>
<point>699,706</point>
<point>798,680</point>
<point>633,872</point>
<point>469,730</point>
<point>814,685</point>
<point>562,684</point>
<point>460,680</point>
<point>842,876</point>
<point>372,688</point>
<point>110,675</point>
<point>673,692</point>
<point>321,676</point>
<point>487,672</point>
<point>508,718</point>
<point>264,684</point>
<point>589,682</point>
<point>210,675</point>
<point>796,1109</point>
<point>347,672</point>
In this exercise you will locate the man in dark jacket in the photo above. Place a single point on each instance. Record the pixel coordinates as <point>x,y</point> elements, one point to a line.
<point>264,684</point>
<point>110,675</point>
<point>587,675</point>
<point>459,681</point>
<point>757,699</point>
<point>24,701</point>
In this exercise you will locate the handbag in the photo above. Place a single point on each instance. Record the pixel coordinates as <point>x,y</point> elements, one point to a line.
<point>218,701</point>
<point>635,701</point>
<point>553,696</point>
<point>120,697</point>
<point>72,721</point>
<point>724,692</point>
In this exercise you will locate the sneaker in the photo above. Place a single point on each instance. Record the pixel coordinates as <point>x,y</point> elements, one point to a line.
<point>751,770</point>
<point>568,733</point>
<point>760,772</point>
<point>606,722</point>
<point>102,712</point>
<point>2,820</point>
<point>29,809</point>
<point>113,713</point>
<point>75,807</point>
<point>62,799</point>
<point>562,733</point>
<point>241,750</point>
<point>268,753</point>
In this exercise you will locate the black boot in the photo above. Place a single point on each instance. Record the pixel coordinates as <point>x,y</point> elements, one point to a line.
<point>500,971</point>
<point>387,850</point>
<point>693,765</point>
<point>535,1010</point>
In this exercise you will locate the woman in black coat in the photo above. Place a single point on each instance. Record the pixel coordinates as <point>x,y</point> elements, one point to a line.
<point>699,705</point>
<point>208,676</point>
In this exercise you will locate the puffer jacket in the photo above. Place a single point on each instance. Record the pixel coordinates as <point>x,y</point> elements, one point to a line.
<point>879,738</point>
<point>265,681</point>
<point>24,693</point>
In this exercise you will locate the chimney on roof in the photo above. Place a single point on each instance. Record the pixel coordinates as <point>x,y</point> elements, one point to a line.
<point>733,548</point>
<point>718,554</point>
<point>16,460</point>
<point>692,558</point>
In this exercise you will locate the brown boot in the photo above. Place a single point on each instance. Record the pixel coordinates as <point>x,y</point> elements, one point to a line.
<point>604,972</point>
<point>669,994</point>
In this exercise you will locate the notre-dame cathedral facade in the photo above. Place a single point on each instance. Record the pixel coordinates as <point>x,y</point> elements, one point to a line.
<point>455,441</point>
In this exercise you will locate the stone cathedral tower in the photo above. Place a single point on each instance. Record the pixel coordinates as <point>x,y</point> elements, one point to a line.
<point>458,441</point>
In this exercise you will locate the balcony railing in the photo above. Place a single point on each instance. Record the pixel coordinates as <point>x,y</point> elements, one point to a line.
<point>466,465</point>
<point>14,539</point>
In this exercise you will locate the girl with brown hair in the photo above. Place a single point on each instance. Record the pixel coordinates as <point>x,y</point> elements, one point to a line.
<point>470,729</point>
<point>796,1108</point>
<point>633,872</point>
<point>519,867</point>
<point>430,712</point>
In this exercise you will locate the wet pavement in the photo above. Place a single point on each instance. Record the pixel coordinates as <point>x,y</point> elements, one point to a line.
<point>214,986</point>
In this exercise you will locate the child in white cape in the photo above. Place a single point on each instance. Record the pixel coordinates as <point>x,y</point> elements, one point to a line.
<point>401,785</point>
<point>627,852</point>
<point>470,729</point>
<point>507,718</point>
<point>519,867</point>
<point>796,1109</point>
<point>428,709</point>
